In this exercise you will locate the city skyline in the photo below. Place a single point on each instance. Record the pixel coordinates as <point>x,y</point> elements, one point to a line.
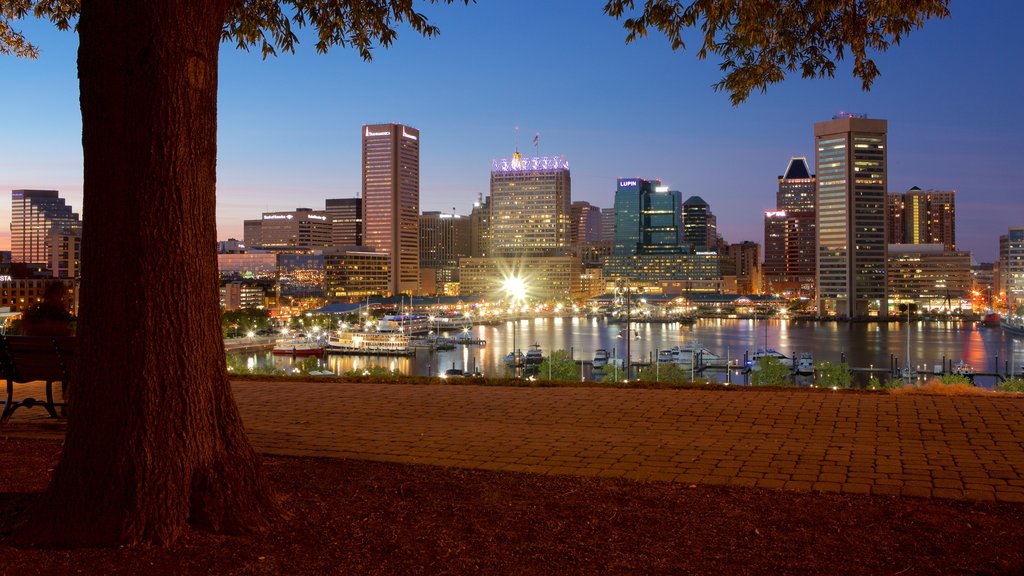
<point>612,110</point>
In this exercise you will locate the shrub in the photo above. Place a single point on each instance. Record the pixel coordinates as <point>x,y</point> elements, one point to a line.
<point>832,375</point>
<point>667,373</point>
<point>954,380</point>
<point>1011,385</point>
<point>772,373</point>
<point>558,366</point>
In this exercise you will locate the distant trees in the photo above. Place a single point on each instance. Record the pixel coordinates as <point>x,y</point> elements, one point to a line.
<point>157,442</point>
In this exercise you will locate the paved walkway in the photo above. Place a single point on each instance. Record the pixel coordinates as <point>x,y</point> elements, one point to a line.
<point>929,446</point>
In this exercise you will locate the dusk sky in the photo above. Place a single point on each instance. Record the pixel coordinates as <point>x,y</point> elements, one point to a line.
<point>290,127</point>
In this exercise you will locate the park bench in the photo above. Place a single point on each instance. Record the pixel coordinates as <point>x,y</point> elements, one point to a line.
<point>36,358</point>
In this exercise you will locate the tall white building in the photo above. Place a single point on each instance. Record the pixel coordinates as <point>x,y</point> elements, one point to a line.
<point>850,157</point>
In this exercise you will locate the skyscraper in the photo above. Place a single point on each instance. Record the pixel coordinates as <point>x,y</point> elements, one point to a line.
<point>480,228</point>
<point>699,224</point>
<point>36,215</point>
<point>647,250</point>
<point>530,200</point>
<point>346,217</point>
<point>790,245</point>
<point>391,200</point>
<point>584,227</point>
<point>922,217</point>
<point>850,155</point>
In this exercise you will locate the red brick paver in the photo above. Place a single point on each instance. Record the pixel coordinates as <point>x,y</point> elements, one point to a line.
<point>912,445</point>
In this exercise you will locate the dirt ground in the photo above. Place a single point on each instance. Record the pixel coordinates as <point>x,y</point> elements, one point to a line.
<point>354,517</point>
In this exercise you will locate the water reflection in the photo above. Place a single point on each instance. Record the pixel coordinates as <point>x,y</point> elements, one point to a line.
<point>863,345</point>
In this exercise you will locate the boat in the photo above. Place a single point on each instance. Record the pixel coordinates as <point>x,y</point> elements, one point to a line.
<point>514,358</point>
<point>466,338</point>
<point>668,356</point>
<point>755,359</point>
<point>600,359</point>
<point>1013,325</point>
<point>691,352</point>
<point>371,343</point>
<point>404,324</point>
<point>534,355</point>
<point>805,365</point>
<point>963,369</point>
<point>298,346</point>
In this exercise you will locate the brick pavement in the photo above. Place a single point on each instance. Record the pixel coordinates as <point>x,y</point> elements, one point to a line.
<point>912,445</point>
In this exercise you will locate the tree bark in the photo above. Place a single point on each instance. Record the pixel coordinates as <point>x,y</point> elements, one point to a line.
<point>154,439</point>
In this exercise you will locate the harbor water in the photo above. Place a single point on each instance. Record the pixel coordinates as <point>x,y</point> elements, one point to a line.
<point>862,345</point>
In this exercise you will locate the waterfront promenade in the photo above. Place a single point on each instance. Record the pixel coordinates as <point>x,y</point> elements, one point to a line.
<point>955,447</point>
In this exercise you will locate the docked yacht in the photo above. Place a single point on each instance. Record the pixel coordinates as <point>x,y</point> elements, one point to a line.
<point>755,359</point>
<point>805,365</point>
<point>534,355</point>
<point>600,359</point>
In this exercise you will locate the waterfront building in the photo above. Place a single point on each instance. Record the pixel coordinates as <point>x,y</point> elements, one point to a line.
<point>530,207</point>
<point>352,273</point>
<point>1011,269</point>
<point>391,200</point>
<point>682,271</point>
<point>929,276</point>
<point>850,156</point>
<point>545,277</point>
<point>346,218</point>
<point>700,229</point>
<point>300,228</point>
<point>39,218</point>
<point>922,217</point>
<point>790,244</point>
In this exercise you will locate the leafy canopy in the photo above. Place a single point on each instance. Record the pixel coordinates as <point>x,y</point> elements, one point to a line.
<point>759,41</point>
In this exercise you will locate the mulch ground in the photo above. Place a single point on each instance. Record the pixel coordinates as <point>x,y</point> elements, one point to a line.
<point>354,517</point>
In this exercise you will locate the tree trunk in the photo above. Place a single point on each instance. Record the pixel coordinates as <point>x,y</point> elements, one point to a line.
<point>154,438</point>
